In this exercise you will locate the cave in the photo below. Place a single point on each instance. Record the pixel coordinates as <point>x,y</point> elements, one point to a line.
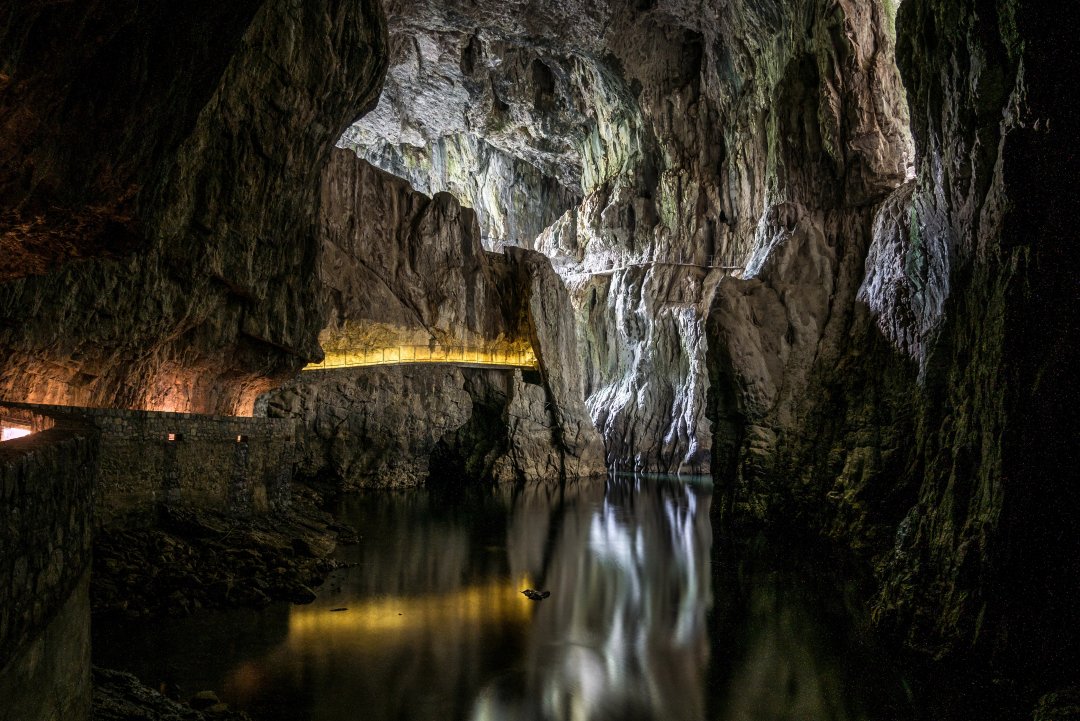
<point>403,359</point>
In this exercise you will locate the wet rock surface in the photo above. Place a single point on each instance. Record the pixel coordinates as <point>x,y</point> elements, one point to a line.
<point>923,422</point>
<point>1061,705</point>
<point>119,696</point>
<point>189,560</point>
<point>994,518</point>
<point>406,425</point>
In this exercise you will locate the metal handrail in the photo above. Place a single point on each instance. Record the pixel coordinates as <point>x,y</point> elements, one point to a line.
<point>712,262</point>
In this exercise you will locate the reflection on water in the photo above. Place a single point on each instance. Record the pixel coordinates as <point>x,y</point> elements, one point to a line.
<point>624,634</point>
<point>793,651</point>
<point>429,623</point>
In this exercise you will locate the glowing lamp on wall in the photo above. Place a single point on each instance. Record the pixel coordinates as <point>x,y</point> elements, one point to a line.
<point>11,433</point>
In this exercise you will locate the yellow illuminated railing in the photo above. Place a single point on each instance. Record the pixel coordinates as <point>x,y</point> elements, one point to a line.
<point>398,355</point>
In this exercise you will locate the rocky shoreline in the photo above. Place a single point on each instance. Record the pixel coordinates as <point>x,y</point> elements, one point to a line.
<point>185,560</point>
<point>120,696</point>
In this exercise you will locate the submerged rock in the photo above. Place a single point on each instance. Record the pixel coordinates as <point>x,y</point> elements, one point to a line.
<point>533,595</point>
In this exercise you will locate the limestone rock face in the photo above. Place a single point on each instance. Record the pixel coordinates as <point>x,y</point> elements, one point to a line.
<point>906,282</point>
<point>513,200</point>
<point>73,80</point>
<point>994,518</point>
<point>408,269</point>
<point>679,126</point>
<point>554,337</point>
<point>374,426</point>
<point>395,256</point>
<point>410,425</point>
<point>193,198</point>
<point>771,325</point>
<point>918,411</point>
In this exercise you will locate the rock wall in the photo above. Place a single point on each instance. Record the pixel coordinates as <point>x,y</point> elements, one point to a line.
<point>49,680</point>
<point>895,378</point>
<point>762,116</point>
<point>404,268</point>
<point>795,362</point>
<point>396,426</point>
<point>396,257</point>
<point>683,129</point>
<point>994,518</point>
<point>514,201</point>
<point>191,198</point>
<point>233,466</point>
<point>47,486</point>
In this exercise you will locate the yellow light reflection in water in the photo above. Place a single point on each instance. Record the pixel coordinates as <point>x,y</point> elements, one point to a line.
<point>392,640</point>
<point>372,620</point>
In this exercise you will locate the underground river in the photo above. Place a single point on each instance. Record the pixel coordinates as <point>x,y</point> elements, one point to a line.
<point>646,620</point>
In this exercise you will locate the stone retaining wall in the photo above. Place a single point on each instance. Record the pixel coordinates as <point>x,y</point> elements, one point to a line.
<point>46,492</point>
<point>147,459</point>
<point>86,467</point>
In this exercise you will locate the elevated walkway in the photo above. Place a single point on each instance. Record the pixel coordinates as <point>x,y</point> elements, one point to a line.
<point>651,263</point>
<point>707,264</point>
<point>469,356</point>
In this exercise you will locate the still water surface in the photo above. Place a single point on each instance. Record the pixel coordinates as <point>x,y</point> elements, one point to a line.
<point>644,621</point>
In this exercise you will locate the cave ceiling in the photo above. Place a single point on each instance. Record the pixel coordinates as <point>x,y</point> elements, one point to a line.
<point>585,92</point>
<point>540,81</point>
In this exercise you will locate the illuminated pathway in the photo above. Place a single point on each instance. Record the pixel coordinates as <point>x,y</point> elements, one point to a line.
<point>409,354</point>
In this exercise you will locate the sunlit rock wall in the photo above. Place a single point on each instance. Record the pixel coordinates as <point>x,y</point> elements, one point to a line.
<point>178,155</point>
<point>513,200</point>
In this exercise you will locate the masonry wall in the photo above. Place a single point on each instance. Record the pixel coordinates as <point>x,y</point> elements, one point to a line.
<point>147,460</point>
<point>47,497</point>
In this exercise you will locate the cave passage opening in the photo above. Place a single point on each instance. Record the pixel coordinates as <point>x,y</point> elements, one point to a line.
<point>651,157</point>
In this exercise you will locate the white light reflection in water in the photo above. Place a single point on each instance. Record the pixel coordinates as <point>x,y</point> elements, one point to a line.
<point>623,635</point>
<point>429,622</point>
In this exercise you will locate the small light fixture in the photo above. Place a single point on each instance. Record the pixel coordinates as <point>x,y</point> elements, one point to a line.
<point>241,439</point>
<point>172,437</point>
<point>12,432</point>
